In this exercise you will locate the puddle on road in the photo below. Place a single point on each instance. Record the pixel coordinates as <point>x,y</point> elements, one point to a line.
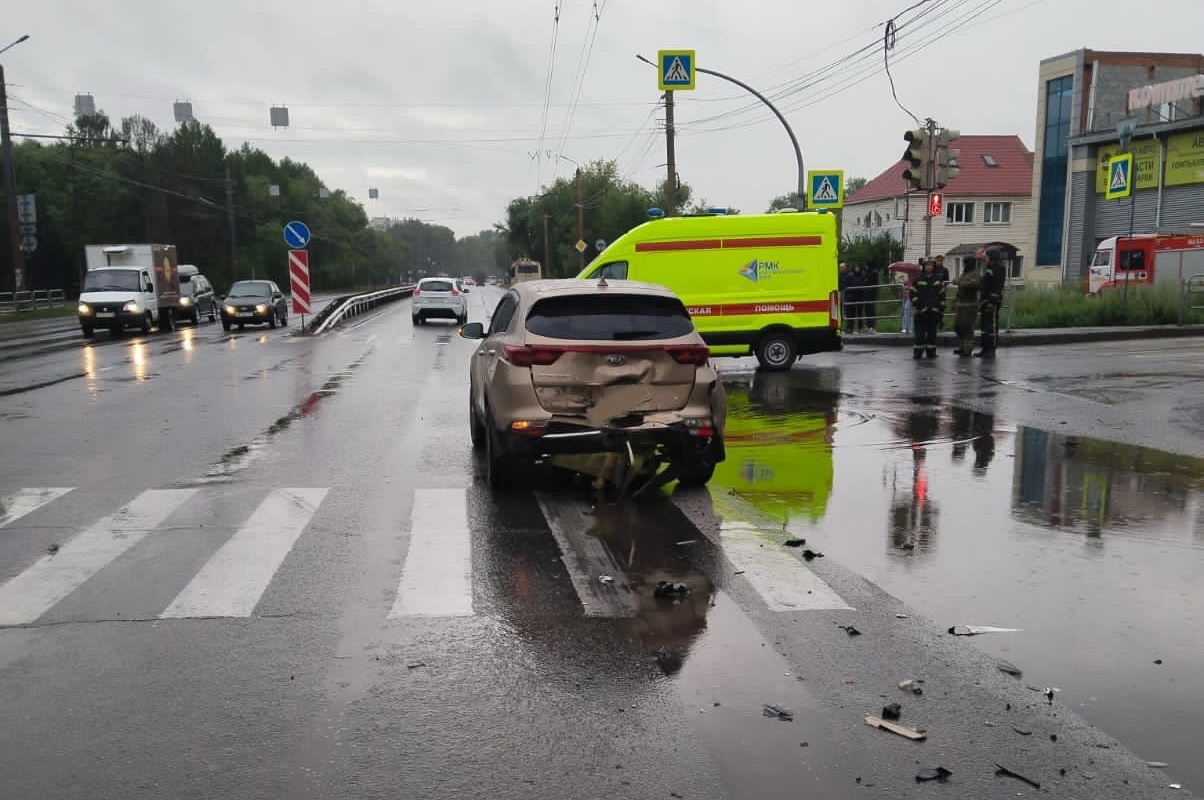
<point>238,458</point>
<point>1093,548</point>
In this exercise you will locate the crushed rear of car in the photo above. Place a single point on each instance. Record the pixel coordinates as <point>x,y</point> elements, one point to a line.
<point>608,379</point>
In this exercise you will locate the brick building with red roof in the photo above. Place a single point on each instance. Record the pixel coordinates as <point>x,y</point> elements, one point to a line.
<point>989,202</point>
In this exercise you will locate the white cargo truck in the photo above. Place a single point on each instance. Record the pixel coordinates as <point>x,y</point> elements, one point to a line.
<point>129,285</point>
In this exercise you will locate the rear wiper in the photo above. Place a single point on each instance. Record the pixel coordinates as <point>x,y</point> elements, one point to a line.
<point>635,335</point>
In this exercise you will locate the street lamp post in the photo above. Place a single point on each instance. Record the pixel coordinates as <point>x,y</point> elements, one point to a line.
<point>10,180</point>
<point>580,214</point>
<point>798,153</point>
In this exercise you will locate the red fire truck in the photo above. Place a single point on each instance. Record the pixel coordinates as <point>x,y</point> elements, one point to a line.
<point>1146,258</point>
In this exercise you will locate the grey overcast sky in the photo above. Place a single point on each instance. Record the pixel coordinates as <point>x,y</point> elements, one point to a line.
<point>440,105</point>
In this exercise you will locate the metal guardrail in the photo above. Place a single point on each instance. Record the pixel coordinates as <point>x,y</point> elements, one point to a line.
<point>894,301</point>
<point>353,305</point>
<point>29,300</point>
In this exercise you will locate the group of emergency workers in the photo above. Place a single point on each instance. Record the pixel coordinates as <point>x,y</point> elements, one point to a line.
<point>978,295</point>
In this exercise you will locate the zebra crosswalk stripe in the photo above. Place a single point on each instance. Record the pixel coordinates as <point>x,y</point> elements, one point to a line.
<point>29,595</point>
<point>233,580</point>
<point>437,577</point>
<point>27,501</point>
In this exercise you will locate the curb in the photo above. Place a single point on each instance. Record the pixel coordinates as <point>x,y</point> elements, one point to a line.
<point>1041,336</point>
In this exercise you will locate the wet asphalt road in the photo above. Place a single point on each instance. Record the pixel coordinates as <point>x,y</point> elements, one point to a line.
<point>278,574</point>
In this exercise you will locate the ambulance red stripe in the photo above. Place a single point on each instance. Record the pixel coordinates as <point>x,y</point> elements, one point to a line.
<point>735,243</point>
<point>754,309</point>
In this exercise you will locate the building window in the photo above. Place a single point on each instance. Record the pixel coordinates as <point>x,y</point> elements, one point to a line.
<point>1055,156</point>
<point>959,213</point>
<point>997,212</point>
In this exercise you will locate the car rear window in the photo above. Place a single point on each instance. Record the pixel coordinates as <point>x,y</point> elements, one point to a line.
<point>436,286</point>
<point>609,317</point>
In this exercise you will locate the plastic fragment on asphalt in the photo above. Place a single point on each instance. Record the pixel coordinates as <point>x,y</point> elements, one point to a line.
<point>666,589</point>
<point>795,542</point>
<point>1022,731</point>
<point>606,579</point>
<point>975,630</point>
<point>1002,770</point>
<point>892,711</point>
<point>850,630</point>
<point>1175,786</point>
<point>901,616</point>
<point>933,774</point>
<point>811,554</point>
<point>784,714</point>
<point>1010,668</point>
<point>1157,764</point>
<point>911,685</point>
<point>914,734</point>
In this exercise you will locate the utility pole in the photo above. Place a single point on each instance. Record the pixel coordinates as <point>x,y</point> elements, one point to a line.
<point>670,160</point>
<point>233,232</point>
<point>929,183</point>
<point>580,224</point>
<point>547,253</point>
<point>10,190</point>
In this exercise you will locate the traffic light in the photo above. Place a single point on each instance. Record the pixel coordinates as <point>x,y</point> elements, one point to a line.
<point>947,167</point>
<point>916,158</point>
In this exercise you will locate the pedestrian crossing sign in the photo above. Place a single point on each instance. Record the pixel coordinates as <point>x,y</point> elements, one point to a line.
<point>1120,176</point>
<point>826,188</point>
<point>676,70</point>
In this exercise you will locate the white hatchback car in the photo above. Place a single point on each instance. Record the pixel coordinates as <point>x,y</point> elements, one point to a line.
<point>438,297</point>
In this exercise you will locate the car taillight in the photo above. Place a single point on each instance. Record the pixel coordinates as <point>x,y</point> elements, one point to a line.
<point>834,309</point>
<point>417,292</point>
<point>697,426</point>
<point>524,356</point>
<point>455,292</point>
<point>696,354</point>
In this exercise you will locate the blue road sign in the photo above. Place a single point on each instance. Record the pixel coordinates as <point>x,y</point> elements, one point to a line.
<point>296,234</point>
<point>826,188</point>
<point>677,70</point>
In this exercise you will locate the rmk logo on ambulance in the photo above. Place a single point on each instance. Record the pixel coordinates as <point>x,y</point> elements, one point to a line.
<point>757,269</point>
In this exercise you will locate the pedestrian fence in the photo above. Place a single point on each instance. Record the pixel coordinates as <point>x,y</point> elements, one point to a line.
<point>30,300</point>
<point>887,301</point>
<point>354,305</point>
<point>1192,296</point>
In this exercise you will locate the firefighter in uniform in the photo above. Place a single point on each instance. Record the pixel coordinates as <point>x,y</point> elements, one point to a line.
<point>968,284</point>
<point>928,306</point>
<point>991,299</point>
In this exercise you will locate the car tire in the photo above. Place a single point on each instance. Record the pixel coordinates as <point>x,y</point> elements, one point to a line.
<point>213,313</point>
<point>146,323</point>
<point>272,320</point>
<point>225,325</point>
<point>416,319</point>
<point>499,466</point>
<point>242,326</point>
<point>87,331</point>
<point>196,317</point>
<point>696,475</point>
<point>476,431</point>
<point>284,320</point>
<point>776,351</point>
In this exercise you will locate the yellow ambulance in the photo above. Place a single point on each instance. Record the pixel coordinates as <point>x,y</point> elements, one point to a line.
<point>764,284</point>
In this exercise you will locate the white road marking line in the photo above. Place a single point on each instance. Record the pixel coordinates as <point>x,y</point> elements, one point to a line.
<point>437,578</point>
<point>754,546</point>
<point>232,581</point>
<point>27,501</point>
<point>28,596</point>
<point>587,560</point>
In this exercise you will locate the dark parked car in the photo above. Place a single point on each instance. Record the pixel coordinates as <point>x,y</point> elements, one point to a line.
<point>197,298</point>
<point>254,303</point>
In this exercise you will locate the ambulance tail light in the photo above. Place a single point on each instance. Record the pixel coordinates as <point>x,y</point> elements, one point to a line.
<point>834,309</point>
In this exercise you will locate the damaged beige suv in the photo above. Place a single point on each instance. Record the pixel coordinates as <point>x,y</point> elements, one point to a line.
<point>609,379</point>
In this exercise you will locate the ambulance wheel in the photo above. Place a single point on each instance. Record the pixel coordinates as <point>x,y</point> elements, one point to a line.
<point>776,351</point>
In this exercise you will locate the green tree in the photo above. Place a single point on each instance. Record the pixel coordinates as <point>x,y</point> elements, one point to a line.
<point>878,251</point>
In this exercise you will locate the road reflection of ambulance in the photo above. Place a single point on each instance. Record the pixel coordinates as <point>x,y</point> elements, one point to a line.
<point>779,448</point>
<point>764,284</point>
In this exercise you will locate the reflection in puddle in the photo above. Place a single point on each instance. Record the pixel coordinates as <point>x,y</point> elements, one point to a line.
<point>645,550</point>
<point>779,445</point>
<point>189,344</point>
<point>138,354</point>
<point>1092,486</point>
